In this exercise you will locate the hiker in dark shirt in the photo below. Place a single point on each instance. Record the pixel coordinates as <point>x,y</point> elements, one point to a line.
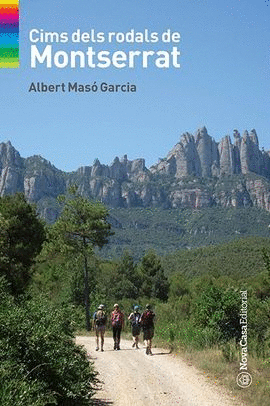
<point>117,318</point>
<point>100,319</point>
<point>147,323</point>
<point>135,325</point>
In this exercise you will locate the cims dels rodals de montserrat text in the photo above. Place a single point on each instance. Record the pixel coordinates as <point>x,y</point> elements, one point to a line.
<point>94,36</point>
<point>44,53</point>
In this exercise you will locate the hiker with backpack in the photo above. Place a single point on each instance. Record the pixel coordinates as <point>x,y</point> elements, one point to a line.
<point>147,323</point>
<point>117,319</point>
<point>135,325</point>
<point>100,319</point>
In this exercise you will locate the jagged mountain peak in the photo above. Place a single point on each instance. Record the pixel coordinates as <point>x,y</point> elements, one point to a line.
<point>194,174</point>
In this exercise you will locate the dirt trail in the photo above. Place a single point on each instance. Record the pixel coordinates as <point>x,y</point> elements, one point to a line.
<point>132,378</point>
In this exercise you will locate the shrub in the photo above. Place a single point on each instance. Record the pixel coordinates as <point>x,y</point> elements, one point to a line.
<point>40,363</point>
<point>217,308</point>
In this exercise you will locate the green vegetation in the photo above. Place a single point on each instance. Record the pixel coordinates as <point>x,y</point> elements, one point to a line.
<point>196,292</point>
<point>21,238</point>
<point>40,364</point>
<point>242,258</point>
<point>120,280</point>
<point>201,321</point>
<point>81,226</point>
<point>141,229</point>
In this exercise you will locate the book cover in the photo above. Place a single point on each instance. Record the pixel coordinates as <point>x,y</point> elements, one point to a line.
<point>86,80</point>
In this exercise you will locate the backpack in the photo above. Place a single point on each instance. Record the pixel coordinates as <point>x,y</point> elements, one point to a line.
<point>148,319</point>
<point>116,319</point>
<point>135,321</point>
<point>100,318</point>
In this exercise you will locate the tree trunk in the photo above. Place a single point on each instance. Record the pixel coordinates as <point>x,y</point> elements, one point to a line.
<point>86,295</point>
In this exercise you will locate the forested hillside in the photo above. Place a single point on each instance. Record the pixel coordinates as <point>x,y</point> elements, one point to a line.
<point>139,229</point>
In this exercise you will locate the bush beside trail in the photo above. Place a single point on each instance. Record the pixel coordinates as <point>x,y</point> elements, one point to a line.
<point>206,312</point>
<point>39,361</point>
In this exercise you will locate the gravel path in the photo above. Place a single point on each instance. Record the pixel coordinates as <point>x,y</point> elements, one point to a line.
<point>133,378</point>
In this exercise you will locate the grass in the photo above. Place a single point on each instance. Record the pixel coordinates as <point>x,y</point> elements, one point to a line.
<point>221,372</point>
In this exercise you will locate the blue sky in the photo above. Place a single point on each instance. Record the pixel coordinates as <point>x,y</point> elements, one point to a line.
<point>223,82</point>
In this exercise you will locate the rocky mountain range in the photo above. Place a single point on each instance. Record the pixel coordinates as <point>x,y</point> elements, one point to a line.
<point>198,172</point>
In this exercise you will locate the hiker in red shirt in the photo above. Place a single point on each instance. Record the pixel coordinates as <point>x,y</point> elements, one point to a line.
<point>147,323</point>
<point>117,318</point>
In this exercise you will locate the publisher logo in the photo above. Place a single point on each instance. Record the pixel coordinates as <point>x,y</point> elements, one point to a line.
<point>244,379</point>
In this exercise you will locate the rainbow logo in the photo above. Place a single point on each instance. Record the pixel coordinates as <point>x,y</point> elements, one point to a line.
<point>9,33</point>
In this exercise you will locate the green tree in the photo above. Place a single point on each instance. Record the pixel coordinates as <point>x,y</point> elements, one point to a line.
<point>81,227</point>
<point>107,282</point>
<point>129,280</point>
<point>217,308</point>
<point>179,286</point>
<point>21,238</point>
<point>155,283</point>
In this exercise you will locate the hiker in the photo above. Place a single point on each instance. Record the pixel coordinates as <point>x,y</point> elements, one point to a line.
<point>100,319</point>
<point>117,318</point>
<point>135,325</point>
<point>147,323</point>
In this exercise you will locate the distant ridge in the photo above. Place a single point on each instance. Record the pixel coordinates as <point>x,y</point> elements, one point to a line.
<point>198,172</point>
